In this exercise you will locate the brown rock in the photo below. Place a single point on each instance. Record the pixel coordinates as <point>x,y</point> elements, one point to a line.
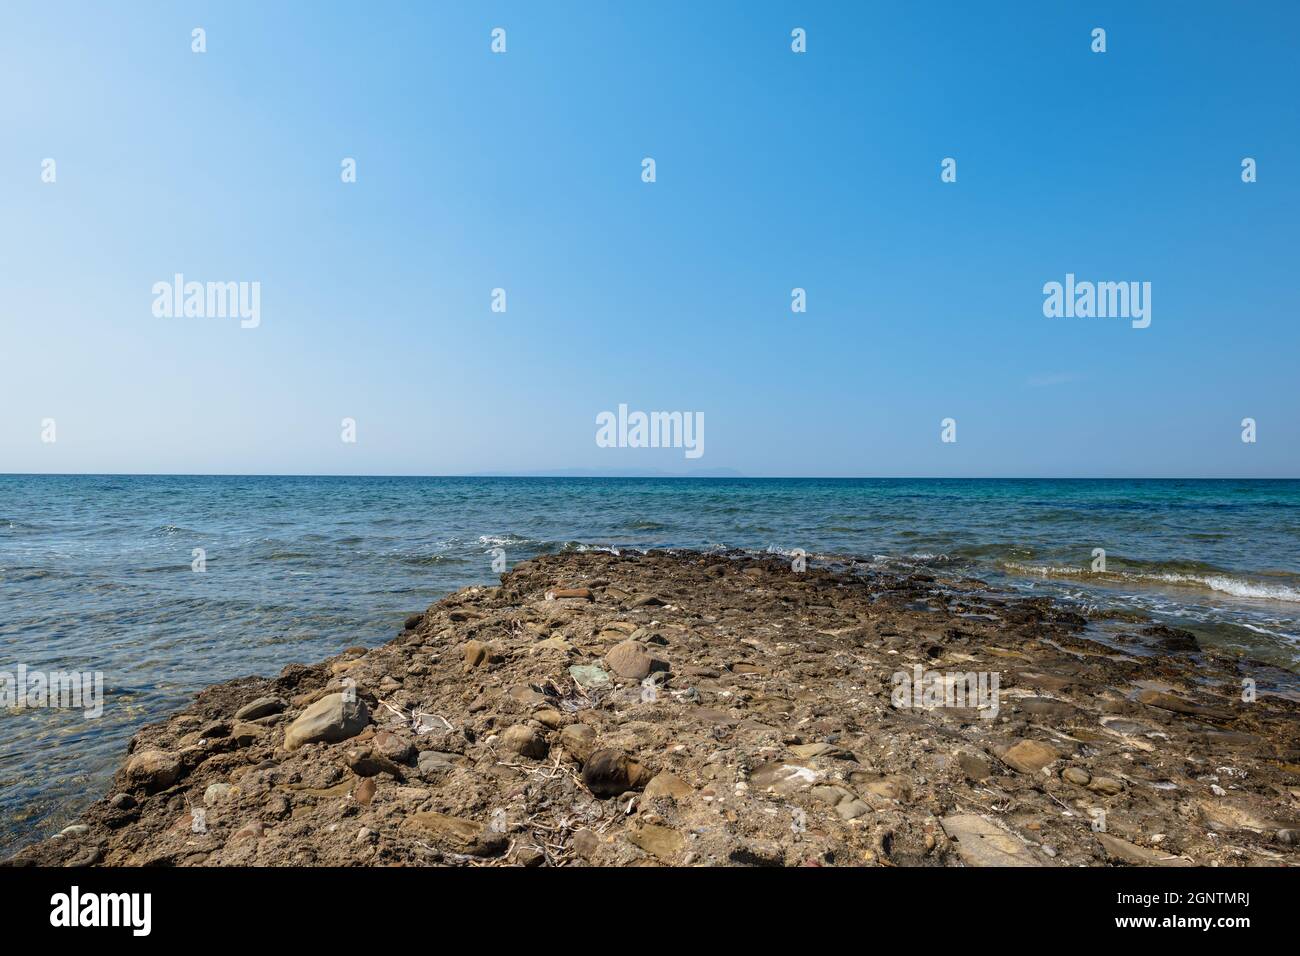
<point>1076,776</point>
<point>629,660</point>
<point>980,842</point>
<point>608,773</point>
<point>153,769</point>
<point>668,785</point>
<point>579,741</point>
<point>1106,786</point>
<point>659,841</point>
<point>548,717</point>
<point>976,767</point>
<point>1125,852</point>
<point>252,830</point>
<point>476,654</point>
<point>1029,756</point>
<point>524,741</point>
<point>586,843</point>
<point>394,746</point>
<point>331,719</point>
<point>262,707</point>
<point>246,734</point>
<point>1176,705</point>
<point>366,762</point>
<point>465,836</point>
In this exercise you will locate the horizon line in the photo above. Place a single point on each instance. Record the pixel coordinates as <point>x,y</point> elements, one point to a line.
<point>655,477</point>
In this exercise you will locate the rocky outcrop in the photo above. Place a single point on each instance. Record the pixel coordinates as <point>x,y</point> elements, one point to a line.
<point>679,709</point>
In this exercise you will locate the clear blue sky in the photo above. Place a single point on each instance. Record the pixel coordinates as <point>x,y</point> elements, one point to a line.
<point>774,170</point>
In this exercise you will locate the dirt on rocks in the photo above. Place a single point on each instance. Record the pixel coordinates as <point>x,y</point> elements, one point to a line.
<point>720,709</point>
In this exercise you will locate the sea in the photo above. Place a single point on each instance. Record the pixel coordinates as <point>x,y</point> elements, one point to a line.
<point>165,584</point>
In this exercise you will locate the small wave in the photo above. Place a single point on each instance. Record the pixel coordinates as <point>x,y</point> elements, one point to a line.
<point>170,530</point>
<point>429,560</point>
<point>507,540</point>
<point>13,524</point>
<point>1222,583</point>
<point>579,547</point>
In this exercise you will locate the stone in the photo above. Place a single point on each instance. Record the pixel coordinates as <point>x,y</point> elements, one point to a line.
<point>661,842</point>
<point>253,830</point>
<point>827,793</point>
<point>245,734</point>
<point>559,594</point>
<point>153,770</point>
<point>214,730</point>
<point>476,654</point>
<point>394,746</point>
<point>608,773</point>
<point>549,717</point>
<point>122,801</point>
<point>629,660</point>
<point>433,763</point>
<point>782,778</point>
<point>668,785</point>
<point>526,695</point>
<point>586,842</point>
<point>524,741</point>
<point>578,740</point>
<point>464,836</point>
<point>1029,756</point>
<point>1176,705</point>
<point>367,762</point>
<point>89,857</point>
<point>1106,786</point>
<point>1076,776</point>
<point>262,707</point>
<point>851,809</point>
<point>891,788</point>
<point>980,842</point>
<point>1234,814</point>
<point>976,767</point>
<point>1171,638</point>
<point>808,751</point>
<point>331,719</point>
<point>558,644</point>
<point>364,793</point>
<point>1125,852</point>
<point>217,793</point>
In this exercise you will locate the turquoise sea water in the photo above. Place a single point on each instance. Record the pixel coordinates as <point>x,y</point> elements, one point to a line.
<point>96,571</point>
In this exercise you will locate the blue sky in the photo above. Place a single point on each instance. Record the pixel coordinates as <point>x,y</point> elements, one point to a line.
<point>775,170</point>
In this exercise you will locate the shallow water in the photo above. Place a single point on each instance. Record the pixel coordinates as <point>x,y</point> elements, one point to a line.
<point>96,571</point>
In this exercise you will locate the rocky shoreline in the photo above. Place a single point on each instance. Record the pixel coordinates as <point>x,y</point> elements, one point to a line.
<point>688,709</point>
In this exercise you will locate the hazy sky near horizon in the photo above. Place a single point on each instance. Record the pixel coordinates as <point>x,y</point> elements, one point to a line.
<point>774,170</point>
